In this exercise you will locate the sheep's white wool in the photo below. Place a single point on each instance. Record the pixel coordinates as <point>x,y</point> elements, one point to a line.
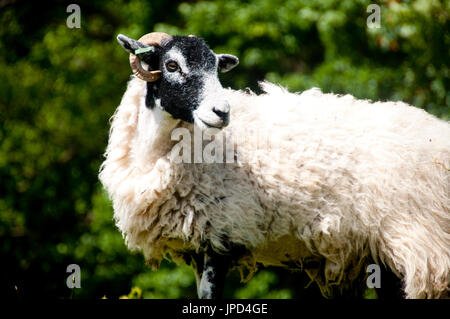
<point>355,180</point>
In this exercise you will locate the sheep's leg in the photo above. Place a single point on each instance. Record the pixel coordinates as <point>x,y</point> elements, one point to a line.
<point>197,263</point>
<point>391,286</point>
<point>210,271</point>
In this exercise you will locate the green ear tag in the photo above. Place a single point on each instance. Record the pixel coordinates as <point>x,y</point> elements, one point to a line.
<point>143,50</point>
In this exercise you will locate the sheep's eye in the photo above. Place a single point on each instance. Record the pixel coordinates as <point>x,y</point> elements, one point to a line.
<point>172,66</point>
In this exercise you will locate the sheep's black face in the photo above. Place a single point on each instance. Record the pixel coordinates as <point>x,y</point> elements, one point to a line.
<point>187,63</point>
<point>189,88</point>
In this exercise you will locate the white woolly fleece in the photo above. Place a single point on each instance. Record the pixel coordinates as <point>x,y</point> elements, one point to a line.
<point>340,181</point>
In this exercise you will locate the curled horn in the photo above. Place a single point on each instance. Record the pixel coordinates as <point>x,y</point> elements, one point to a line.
<point>152,39</point>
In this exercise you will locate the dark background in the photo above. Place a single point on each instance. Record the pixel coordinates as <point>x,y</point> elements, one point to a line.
<point>59,86</point>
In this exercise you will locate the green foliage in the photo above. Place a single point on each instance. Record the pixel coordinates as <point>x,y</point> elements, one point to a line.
<point>170,281</point>
<point>263,285</point>
<point>59,86</point>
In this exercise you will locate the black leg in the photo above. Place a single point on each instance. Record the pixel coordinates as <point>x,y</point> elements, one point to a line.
<point>197,264</point>
<point>210,271</point>
<point>391,286</point>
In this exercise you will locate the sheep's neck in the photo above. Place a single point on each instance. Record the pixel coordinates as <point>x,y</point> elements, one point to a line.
<point>153,136</point>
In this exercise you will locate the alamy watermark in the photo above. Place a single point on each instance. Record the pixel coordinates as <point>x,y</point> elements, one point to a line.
<point>374,19</point>
<point>374,279</point>
<point>220,146</point>
<point>73,280</point>
<point>74,19</point>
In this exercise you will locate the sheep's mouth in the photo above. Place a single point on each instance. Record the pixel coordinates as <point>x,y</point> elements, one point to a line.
<point>214,125</point>
<point>202,124</point>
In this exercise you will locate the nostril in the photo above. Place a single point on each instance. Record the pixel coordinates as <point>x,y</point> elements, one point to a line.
<point>220,113</point>
<point>224,116</point>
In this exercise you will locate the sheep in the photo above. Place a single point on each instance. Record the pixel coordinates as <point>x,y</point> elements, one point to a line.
<point>336,184</point>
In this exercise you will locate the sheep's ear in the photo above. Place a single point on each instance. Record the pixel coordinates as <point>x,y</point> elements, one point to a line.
<point>227,62</point>
<point>134,46</point>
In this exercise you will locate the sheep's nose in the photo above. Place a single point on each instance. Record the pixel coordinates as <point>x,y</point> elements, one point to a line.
<point>223,112</point>
<point>223,107</point>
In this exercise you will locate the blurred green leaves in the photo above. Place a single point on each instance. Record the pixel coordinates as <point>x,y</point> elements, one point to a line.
<point>59,87</point>
<point>263,285</point>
